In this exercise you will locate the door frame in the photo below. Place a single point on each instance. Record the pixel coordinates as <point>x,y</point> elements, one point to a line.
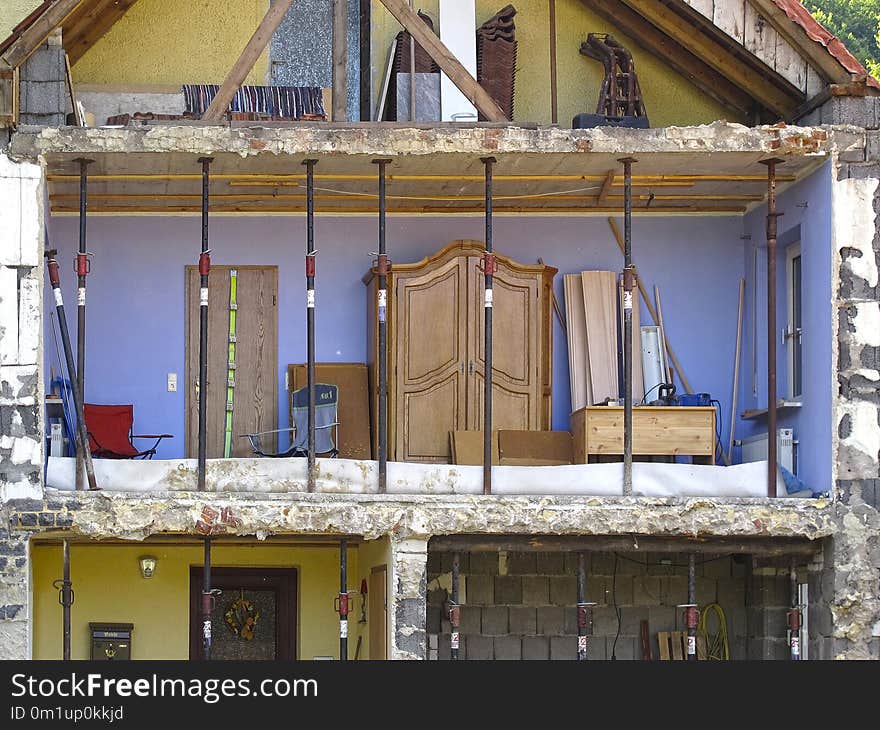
<point>282,580</point>
<point>381,569</point>
<point>192,338</point>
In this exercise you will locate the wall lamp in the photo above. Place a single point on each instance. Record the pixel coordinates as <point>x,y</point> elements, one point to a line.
<point>148,565</point>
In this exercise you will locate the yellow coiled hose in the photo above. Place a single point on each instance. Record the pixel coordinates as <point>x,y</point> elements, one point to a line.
<point>717,647</point>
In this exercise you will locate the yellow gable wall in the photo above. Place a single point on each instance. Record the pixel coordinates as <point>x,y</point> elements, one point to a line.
<point>108,587</point>
<point>173,42</point>
<point>669,98</point>
<point>12,12</point>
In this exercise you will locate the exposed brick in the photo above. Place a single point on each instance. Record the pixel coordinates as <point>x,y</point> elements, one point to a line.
<point>480,590</point>
<point>571,563</point>
<point>707,591</point>
<point>602,563</point>
<point>620,591</point>
<point>523,620</point>
<point>631,619</point>
<point>719,568</point>
<point>604,621</point>
<point>596,589</point>
<point>521,563</point>
<point>563,590</point>
<point>508,589</point>
<point>551,620</point>
<point>731,594</point>
<point>536,647</point>
<point>632,564</point>
<point>563,647</point>
<point>570,620</point>
<point>508,647</point>
<point>47,519</point>
<point>495,621</point>
<point>551,564</point>
<point>674,590</point>
<point>27,519</point>
<point>624,648</point>
<point>63,519</point>
<point>535,591</point>
<point>433,619</point>
<point>480,647</point>
<point>661,618</point>
<point>596,648</point>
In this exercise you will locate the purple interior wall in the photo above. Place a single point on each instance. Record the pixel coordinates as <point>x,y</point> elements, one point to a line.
<point>136,292</point>
<point>807,217</point>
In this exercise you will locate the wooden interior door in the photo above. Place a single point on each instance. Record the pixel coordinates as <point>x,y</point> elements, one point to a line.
<point>516,336</point>
<point>255,401</point>
<point>430,350</point>
<point>378,613</point>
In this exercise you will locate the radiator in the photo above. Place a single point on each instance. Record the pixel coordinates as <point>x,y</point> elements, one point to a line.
<point>755,449</point>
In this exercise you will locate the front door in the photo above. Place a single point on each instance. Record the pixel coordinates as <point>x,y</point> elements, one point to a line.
<point>255,367</point>
<point>254,617</point>
<point>378,616</point>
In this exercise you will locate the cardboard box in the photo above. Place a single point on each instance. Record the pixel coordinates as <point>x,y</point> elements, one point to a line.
<point>467,447</point>
<point>513,448</point>
<point>353,410</point>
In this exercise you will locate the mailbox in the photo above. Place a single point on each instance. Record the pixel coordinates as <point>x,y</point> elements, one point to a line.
<point>111,641</point>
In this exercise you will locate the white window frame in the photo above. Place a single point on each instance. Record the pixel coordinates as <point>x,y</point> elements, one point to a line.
<point>791,253</point>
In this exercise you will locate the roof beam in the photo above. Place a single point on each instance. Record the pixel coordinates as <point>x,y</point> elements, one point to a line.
<point>255,46</point>
<point>710,82</point>
<point>37,32</point>
<point>446,60</point>
<point>89,24</point>
<point>817,54</point>
<point>722,54</point>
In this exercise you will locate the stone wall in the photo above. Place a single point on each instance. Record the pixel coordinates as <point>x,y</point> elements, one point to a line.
<point>522,605</point>
<point>21,443</point>
<point>43,94</point>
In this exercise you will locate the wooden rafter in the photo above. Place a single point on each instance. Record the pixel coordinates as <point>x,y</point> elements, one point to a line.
<point>692,67</point>
<point>723,54</point>
<point>90,23</point>
<point>37,32</point>
<point>446,60</point>
<point>255,46</point>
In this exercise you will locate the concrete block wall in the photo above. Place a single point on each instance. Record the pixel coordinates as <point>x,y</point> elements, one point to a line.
<point>522,605</point>
<point>43,97</point>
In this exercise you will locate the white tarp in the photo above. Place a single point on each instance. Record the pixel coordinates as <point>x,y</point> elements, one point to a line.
<point>349,476</point>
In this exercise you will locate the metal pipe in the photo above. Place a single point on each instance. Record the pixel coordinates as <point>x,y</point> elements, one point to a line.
<point>204,271</point>
<point>310,312</point>
<point>453,611</point>
<point>629,278</point>
<point>343,600</point>
<point>772,216</point>
<point>691,614</point>
<point>66,598</point>
<point>207,602</point>
<point>82,270</point>
<point>489,273</point>
<point>382,332</point>
<point>795,619</point>
<point>82,433</point>
<point>554,104</point>
<point>584,611</point>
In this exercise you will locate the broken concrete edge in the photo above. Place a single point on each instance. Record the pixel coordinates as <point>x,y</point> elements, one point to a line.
<point>135,517</point>
<point>30,143</point>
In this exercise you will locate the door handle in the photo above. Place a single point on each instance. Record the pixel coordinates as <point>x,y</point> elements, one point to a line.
<point>471,367</point>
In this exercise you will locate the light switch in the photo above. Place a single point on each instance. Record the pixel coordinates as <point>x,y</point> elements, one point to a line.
<point>172,382</point>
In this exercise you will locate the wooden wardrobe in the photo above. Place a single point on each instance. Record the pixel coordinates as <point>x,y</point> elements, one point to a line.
<point>435,349</point>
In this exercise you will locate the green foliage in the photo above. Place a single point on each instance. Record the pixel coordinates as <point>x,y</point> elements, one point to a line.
<point>856,23</point>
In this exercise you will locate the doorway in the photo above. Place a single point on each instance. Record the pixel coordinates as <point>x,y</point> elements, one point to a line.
<point>378,612</point>
<point>254,617</point>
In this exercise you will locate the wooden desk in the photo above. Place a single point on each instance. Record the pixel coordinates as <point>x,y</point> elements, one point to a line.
<point>657,431</point>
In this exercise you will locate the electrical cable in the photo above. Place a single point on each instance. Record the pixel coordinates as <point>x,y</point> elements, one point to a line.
<point>717,403</point>
<point>645,397</point>
<point>675,565</point>
<point>717,646</point>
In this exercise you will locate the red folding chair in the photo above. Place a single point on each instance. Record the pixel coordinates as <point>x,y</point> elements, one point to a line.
<point>110,435</point>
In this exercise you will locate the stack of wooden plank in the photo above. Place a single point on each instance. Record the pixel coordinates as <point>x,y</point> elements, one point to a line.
<point>593,328</point>
<point>496,58</point>
<point>672,646</point>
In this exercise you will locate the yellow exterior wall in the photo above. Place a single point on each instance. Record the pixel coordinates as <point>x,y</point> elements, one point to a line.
<point>373,554</point>
<point>670,99</point>
<point>12,12</point>
<point>173,42</point>
<point>109,587</point>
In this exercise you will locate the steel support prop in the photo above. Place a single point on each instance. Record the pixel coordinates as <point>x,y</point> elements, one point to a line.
<point>342,600</point>
<point>794,616</point>
<point>772,226</point>
<point>489,268</point>
<point>310,312</point>
<point>82,271</point>
<point>81,432</point>
<point>691,610</point>
<point>629,283</point>
<point>208,594</point>
<point>452,610</point>
<point>204,271</point>
<point>584,611</point>
<point>65,598</point>
<point>382,333</point>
